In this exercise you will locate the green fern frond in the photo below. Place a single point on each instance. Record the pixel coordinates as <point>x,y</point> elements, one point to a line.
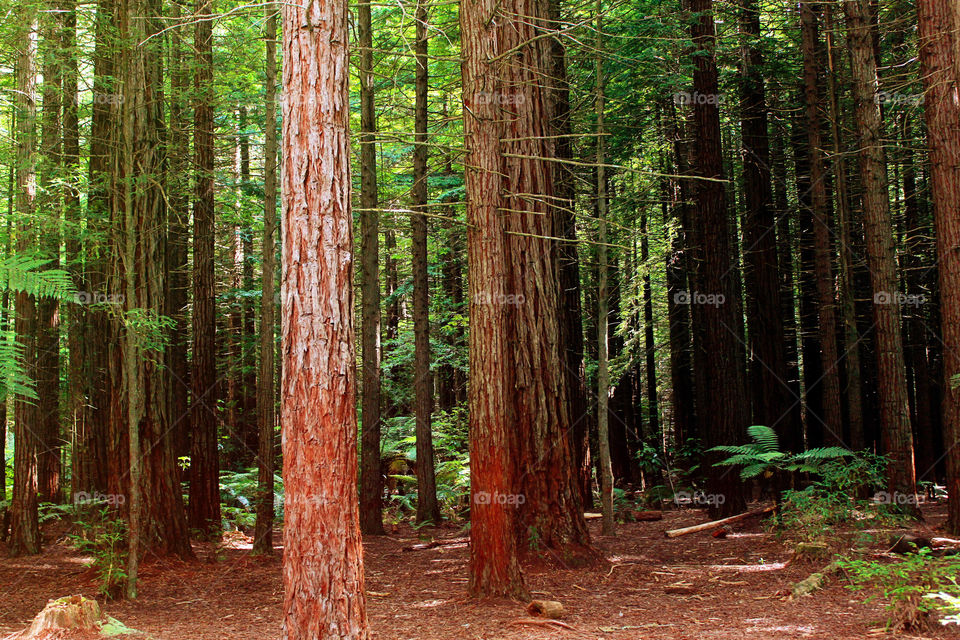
<point>764,437</point>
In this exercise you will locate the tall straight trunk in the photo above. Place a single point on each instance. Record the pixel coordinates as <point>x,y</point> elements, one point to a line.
<point>25,534</point>
<point>603,302</point>
<point>940,69</point>
<point>48,318</point>
<point>878,229</point>
<point>791,436</point>
<point>571,313</point>
<point>371,479</point>
<point>178,216</point>
<point>102,384</point>
<point>677,200</point>
<point>248,359</point>
<point>724,399</point>
<point>323,554</point>
<point>266,399</point>
<point>81,476</point>
<point>820,214</point>
<point>428,509</point>
<point>768,363</point>
<point>204,463</point>
<point>848,314</point>
<point>652,433</point>
<point>518,409</point>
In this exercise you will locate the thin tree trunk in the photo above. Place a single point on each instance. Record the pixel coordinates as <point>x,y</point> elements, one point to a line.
<point>428,509</point>
<point>266,400</point>
<point>603,301</point>
<point>371,479</point>
<point>323,556</point>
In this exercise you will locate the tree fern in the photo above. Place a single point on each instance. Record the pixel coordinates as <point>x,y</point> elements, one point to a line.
<point>763,455</point>
<point>23,275</point>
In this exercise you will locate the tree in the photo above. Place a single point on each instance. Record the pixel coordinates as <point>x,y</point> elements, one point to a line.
<point>939,58</point>
<point>722,398</point>
<point>323,556</point>
<point>820,216</point>
<point>204,463</point>
<point>767,362</point>
<point>266,386</point>
<point>603,302</point>
<point>881,260</point>
<point>428,509</point>
<point>25,538</point>
<point>371,479</point>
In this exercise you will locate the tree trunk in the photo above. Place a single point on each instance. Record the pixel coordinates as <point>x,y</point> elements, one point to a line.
<point>48,318</point>
<point>25,535</point>
<point>725,411</point>
<point>266,399</point>
<point>878,230</point>
<point>428,509</point>
<point>820,214</point>
<point>603,303</point>
<point>371,479</point>
<point>323,555</point>
<point>940,68</point>
<point>204,462</point>
<point>768,364</point>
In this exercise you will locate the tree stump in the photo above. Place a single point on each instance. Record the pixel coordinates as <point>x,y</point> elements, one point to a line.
<point>64,614</point>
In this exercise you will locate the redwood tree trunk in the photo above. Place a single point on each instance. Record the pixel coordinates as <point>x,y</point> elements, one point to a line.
<point>25,535</point>
<point>266,398</point>
<point>878,230</point>
<point>725,410</point>
<point>940,64</point>
<point>428,509</point>
<point>371,479</point>
<point>820,215</point>
<point>204,462</point>
<point>323,555</point>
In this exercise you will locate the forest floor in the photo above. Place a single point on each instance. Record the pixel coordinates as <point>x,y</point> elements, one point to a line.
<point>728,588</point>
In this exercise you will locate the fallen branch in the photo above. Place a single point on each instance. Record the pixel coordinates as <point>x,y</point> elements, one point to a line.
<point>675,533</point>
<point>539,622</point>
<point>437,543</point>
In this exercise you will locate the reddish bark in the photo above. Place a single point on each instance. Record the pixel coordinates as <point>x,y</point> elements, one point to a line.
<point>323,556</point>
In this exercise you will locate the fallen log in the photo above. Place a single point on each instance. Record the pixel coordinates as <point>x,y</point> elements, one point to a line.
<point>433,544</point>
<point>675,533</point>
<point>545,609</point>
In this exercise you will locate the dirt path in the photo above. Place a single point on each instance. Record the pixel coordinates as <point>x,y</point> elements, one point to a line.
<point>730,587</point>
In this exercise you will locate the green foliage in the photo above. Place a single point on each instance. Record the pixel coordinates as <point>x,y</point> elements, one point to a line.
<point>914,586</point>
<point>238,497</point>
<point>763,455</point>
<point>104,538</point>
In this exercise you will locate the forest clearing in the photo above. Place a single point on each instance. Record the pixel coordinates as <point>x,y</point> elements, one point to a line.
<point>423,319</point>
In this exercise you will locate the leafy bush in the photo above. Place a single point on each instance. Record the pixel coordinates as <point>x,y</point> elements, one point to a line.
<point>763,455</point>
<point>238,497</point>
<point>105,539</point>
<point>915,586</point>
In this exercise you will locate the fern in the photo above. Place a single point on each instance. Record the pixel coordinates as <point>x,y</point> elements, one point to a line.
<point>763,455</point>
<point>24,275</point>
